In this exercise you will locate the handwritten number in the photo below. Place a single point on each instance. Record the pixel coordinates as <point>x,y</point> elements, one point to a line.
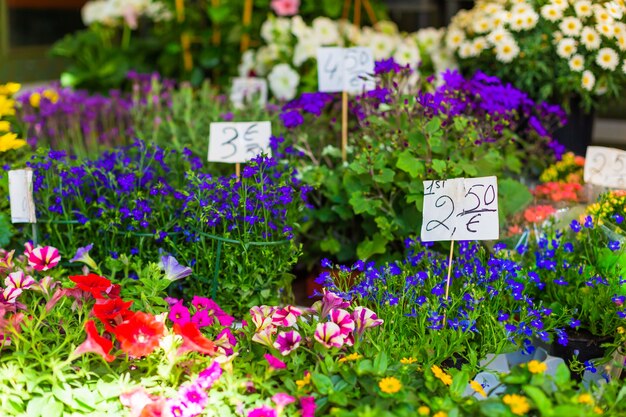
<point>328,69</point>
<point>441,201</point>
<point>230,141</point>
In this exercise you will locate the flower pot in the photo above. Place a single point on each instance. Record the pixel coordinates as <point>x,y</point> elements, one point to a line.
<point>582,344</point>
<point>576,134</point>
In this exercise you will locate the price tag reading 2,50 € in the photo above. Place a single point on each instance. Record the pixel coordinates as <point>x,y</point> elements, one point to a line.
<point>21,195</point>
<point>461,209</point>
<point>345,69</point>
<point>238,142</point>
<point>605,167</point>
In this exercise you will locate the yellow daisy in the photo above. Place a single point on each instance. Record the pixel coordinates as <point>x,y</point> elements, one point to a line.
<point>390,385</point>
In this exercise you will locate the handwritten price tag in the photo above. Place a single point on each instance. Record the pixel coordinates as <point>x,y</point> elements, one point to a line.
<point>21,195</point>
<point>461,209</point>
<point>345,69</point>
<point>238,142</point>
<point>605,167</point>
<point>247,89</point>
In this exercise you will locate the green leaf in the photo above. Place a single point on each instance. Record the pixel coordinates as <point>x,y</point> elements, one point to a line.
<point>513,196</point>
<point>36,407</point>
<point>219,14</point>
<point>385,176</point>
<point>369,247</point>
<point>380,363</point>
<point>439,166</point>
<point>330,245</point>
<point>364,367</point>
<point>339,398</point>
<point>459,384</point>
<point>540,399</point>
<point>5,230</point>
<point>323,383</point>
<point>410,164</point>
<point>362,204</point>
<point>433,127</point>
<point>562,375</point>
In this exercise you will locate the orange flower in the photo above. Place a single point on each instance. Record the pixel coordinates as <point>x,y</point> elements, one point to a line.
<point>140,334</point>
<point>193,340</point>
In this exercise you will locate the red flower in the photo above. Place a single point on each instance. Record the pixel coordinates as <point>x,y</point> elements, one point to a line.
<point>193,340</point>
<point>92,283</point>
<point>139,335</point>
<point>112,312</point>
<point>95,343</point>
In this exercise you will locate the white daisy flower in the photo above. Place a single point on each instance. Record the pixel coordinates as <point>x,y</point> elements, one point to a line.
<point>498,35</point>
<point>577,63</point>
<point>479,44</point>
<point>561,4</point>
<point>621,42</point>
<point>507,50</point>
<point>607,59</point>
<point>571,26</point>
<point>531,20</point>
<point>583,8</point>
<point>566,47</point>
<point>606,29</point>
<point>482,25</point>
<point>465,50</point>
<point>500,18</point>
<point>551,12</point>
<point>590,39</point>
<point>601,14</point>
<point>588,80</point>
<point>614,9</point>
<point>454,38</point>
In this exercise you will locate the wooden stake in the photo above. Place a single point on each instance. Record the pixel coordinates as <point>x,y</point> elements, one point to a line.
<point>238,170</point>
<point>370,12</point>
<point>344,126</point>
<point>449,276</point>
<point>247,18</point>
<point>357,13</point>
<point>216,39</point>
<point>346,10</point>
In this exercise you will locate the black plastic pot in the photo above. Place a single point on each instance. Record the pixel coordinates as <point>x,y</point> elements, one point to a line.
<point>582,344</point>
<point>576,135</point>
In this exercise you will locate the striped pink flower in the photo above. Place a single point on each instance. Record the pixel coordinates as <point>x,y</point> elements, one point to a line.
<point>286,317</point>
<point>342,319</point>
<point>9,295</point>
<point>274,362</point>
<point>364,318</point>
<point>287,342</point>
<point>44,258</point>
<point>262,316</point>
<point>18,280</point>
<point>329,335</point>
<point>265,336</point>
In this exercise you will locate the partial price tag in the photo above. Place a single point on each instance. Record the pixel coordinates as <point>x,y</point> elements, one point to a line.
<point>245,90</point>
<point>21,196</point>
<point>461,209</point>
<point>345,69</point>
<point>605,167</point>
<point>238,142</point>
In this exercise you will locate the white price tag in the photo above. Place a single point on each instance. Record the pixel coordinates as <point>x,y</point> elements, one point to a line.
<point>21,196</point>
<point>345,69</point>
<point>238,142</point>
<point>247,89</point>
<point>605,167</point>
<point>460,209</point>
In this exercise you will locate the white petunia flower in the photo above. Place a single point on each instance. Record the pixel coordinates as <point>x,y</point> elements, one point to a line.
<point>247,63</point>
<point>283,82</point>
<point>299,28</point>
<point>326,31</point>
<point>265,58</point>
<point>588,80</point>
<point>607,59</point>
<point>577,63</point>
<point>429,38</point>
<point>551,12</point>
<point>583,8</point>
<point>407,53</point>
<point>571,26</point>
<point>566,47</point>
<point>276,30</point>
<point>590,39</point>
<point>507,51</point>
<point>305,49</point>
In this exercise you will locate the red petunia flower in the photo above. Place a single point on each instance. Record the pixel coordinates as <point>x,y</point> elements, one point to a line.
<point>193,340</point>
<point>112,312</point>
<point>140,334</point>
<point>95,284</point>
<point>95,343</point>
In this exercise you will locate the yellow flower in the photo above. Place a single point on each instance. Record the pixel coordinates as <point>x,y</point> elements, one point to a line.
<point>620,330</point>
<point>518,404</point>
<point>351,357</point>
<point>10,141</point>
<point>9,89</point>
<point>51,95</point>
<point>390,385</point>
<point>301,383</point>
<point>408,361</point>
<point>440,374</point>
<point>4,126</point>
<point>35,99</point>
<point>585,398</point>
<point>7,106</point>
<point>598,410</point>
<point>423,411</point>
<point>440,414</point>
<point>478,388</point>
<point>537,367</point>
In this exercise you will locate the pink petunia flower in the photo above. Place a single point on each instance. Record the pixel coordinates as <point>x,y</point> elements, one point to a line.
<point>329,335</point>
<point>213,309</point>
<point>285,7</point>
<point>308,406</point>
<point>274,362</point>
<point>179,314</point>
<point>364,318</point>
<point>287,342</point>
<point>19,280</point>
<point>282,400</point>
<point>209,376</point>
<point>286,317</point>
<point>265,336</point>
<point>225,341</point>
<point>44,258</point>
<point>329,302</point>
<point>6,260</point>
<point>9,295</point>
<point>194,397</point>
<point>342,319</point>
<point>263,411</point>
<point>175,408</point>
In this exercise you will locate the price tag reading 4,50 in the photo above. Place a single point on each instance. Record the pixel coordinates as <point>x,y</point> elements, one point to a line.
<point>238,142</point>
<point>247,89</point>
<point>605,167</point>
<point>345,69</point>
<point>461,209</point>
<point>21,195</point>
